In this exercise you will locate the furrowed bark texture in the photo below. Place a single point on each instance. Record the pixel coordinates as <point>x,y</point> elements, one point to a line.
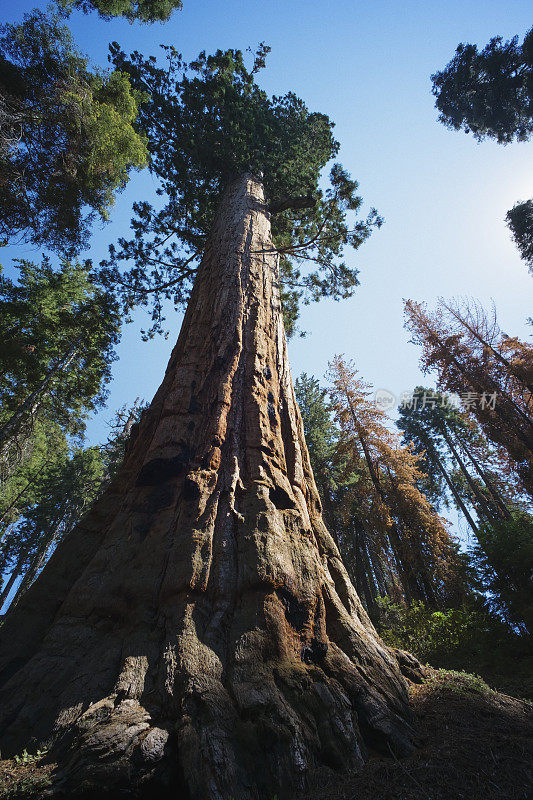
<point>198,630</point>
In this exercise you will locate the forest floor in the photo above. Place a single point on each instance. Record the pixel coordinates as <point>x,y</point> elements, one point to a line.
<point>473,744</point>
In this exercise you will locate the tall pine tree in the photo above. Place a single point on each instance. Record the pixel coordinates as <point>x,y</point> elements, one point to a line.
<point>424,555</point>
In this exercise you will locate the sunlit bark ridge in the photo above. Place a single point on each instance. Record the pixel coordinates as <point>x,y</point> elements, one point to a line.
<point>198,630</point>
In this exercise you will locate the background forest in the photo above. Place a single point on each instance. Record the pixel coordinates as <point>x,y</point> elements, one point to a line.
<point>429,504</point>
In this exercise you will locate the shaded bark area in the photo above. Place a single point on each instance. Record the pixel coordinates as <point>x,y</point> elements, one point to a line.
<point>198,630</point>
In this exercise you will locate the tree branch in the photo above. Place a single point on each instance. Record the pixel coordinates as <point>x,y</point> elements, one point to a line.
<point>291,202</point>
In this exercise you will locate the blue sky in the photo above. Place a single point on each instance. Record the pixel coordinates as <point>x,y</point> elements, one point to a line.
<point>444,197</point>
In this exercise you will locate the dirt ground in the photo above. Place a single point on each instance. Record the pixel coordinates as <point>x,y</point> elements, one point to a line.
<point>473,744</point>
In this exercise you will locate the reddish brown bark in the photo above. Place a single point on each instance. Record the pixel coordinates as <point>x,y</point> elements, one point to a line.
<point>198,630</point>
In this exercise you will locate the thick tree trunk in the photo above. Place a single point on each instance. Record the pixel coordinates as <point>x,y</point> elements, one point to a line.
<point>198,630</point>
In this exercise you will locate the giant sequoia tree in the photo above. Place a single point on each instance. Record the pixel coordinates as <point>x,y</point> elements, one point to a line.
<point>198,630</point>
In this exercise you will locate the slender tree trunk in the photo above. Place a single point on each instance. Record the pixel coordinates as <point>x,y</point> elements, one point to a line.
<point>12,505</point>
<point>376,565</point>
<point>4,532</point>
<point>36,563</point>
<point>367,578</point>
<point>473,381</point>
<point>486,511</point>
<point>198,630</point>
<point>33,401</point>
<point>370,582</point>
<point>330,516</point>
<point>370,578</point>
<point>415,555</point>
<point>4,540</point>
<point>495,494</point>
<point>457,497</point>
<point>406,572</point>
<point>362,585</point>
<point>130,422</point>
<point>11,580</point>
<point>513,425</point>
<point>407,577</point>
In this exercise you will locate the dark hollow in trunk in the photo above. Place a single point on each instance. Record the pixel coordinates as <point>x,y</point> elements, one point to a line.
<point>198,630</point>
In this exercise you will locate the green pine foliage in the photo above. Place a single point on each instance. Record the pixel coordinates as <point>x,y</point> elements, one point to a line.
<point>520,222</point>
<point>64,492</point>
<point>503,562</point>
<point>431,633</point>
<point>58,333</point>
<point>432,425</point>
<point>51,489</point>
<point>421,428</point>
<point>67,141</point>
<point>207,122</point>
<point>331,471</point>
<point>321,433</point>
<point>21,469</point>
<point>488,92</point>
<point>332,475</point>
<point>133,10</point>
<point>123,427</point>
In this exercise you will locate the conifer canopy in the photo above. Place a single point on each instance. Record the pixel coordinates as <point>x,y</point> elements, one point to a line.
<point>207,122</point>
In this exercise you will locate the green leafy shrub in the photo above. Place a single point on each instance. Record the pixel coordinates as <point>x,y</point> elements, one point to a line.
<point>467,638</point>
<point>419,628</point>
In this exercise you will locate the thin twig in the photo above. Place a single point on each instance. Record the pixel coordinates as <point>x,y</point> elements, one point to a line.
<point>393,754</point>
